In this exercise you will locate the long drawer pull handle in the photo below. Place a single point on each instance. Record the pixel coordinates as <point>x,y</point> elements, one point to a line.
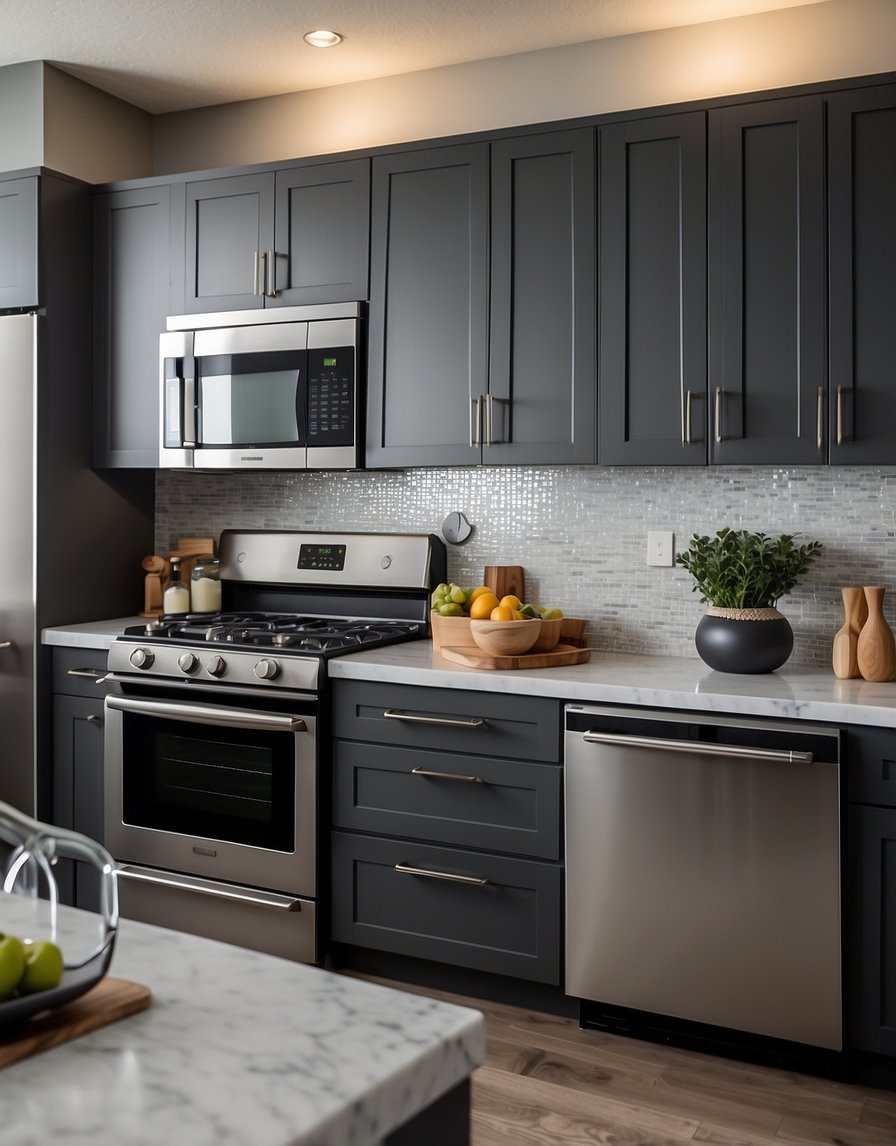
<point>91,674</point>
<point>209,887</point>
<point>477,880</point>
<point>819,419</point>
<point>391,714</point>
<point>446,776</point>
<point>686,433</point>
<point>839,415</point>
<point>475,423</point>
<point>718,413</point>
<point>784,756</point>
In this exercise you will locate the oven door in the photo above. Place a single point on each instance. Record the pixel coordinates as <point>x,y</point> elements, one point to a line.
<point>209,789</point>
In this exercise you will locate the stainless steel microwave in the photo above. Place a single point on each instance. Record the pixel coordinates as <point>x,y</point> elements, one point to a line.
<point>271,389</point>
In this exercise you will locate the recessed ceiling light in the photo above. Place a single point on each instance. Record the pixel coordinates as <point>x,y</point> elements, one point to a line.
<point>322,39</point>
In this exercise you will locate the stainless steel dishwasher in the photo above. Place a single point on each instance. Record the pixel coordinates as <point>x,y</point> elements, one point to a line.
<point>703,870</point>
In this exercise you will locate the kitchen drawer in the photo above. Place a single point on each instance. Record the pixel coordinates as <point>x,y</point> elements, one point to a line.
<point>871,766</point>
<point>472,801</point>
<point>509,925</point>
<point>76,671</point>
<point>451,720</point>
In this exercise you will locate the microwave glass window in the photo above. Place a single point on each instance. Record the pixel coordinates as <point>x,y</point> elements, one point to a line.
<point>250,400</point>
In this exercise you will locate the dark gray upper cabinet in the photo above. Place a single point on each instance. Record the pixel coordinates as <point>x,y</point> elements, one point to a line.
<point>428,326</point>
<point>766,282</point>
<point>482,306</point>
<point>862,254</point>
<point>132,298</point>
<point>652,292</point>
<point>541,397</point>
<point>277,238</point>
<point>18,243</point>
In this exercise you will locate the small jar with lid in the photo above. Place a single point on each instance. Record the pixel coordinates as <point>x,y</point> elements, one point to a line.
<point>205,585</point>
<point>176,601</point>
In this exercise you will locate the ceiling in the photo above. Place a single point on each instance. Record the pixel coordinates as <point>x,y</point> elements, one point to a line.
<point>169,55</point>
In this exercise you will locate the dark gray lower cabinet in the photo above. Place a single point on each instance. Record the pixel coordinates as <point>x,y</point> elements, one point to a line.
<point>862,253</point>
<point>447,827</point>
<point>77,800</point>
<point>871,906</point>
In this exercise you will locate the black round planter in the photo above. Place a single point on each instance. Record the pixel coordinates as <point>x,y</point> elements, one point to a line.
<point>744,640</point>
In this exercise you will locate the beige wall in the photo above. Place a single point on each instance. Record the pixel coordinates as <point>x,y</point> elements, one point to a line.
<point>831,40</point>
<point>92,135</point>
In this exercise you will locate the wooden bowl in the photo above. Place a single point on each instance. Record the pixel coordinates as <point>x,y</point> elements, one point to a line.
<point>450,631</point>
<point>505,638</point>
<point>549,635</point>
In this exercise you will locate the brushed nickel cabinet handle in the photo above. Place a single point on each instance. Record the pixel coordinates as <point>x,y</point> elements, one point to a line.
<point>408,869</point>
<point>5,644</point>
<point>475,722</point>
<point>256,274</point>
<point>489,420</point>
<point>474,423</point>
<point>92,717</point>
<point>270,269</point>
<point>686,431</point>
<point>718,413</point>
<point>91,674</point>
<point>839,415</point>
<point>446,776</point>
<point>819,418</point>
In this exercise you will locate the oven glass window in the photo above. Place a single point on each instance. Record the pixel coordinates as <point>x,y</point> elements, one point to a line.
<point>251,399</point>
<point>219,783</point>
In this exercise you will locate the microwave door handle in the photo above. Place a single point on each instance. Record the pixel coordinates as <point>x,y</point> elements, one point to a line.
<point>189,401</point>
<point>209,714</point>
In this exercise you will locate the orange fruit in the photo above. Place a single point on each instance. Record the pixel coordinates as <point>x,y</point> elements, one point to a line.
<point>481,609</point>
<point>501,613</point>
<point>480,591</point>
<point>511,602</point>
<point>517,615</point>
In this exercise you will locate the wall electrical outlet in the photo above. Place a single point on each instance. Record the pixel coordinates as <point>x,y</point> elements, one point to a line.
<point>660,548</point>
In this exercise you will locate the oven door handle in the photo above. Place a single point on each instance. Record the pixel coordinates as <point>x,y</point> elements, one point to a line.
<point>208,714</point>
<point>208,887</point>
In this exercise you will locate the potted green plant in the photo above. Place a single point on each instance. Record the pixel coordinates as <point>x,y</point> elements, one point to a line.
<point>743,575</point>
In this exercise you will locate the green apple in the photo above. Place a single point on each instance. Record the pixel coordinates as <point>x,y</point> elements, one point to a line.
<point>12,964</point>
<point>43,967</point>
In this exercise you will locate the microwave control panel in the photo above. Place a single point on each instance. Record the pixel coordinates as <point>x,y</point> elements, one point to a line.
<point>331,397</point>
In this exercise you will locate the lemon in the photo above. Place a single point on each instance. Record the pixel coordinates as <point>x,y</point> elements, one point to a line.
<point>482,606</point>
<point>511,602</point>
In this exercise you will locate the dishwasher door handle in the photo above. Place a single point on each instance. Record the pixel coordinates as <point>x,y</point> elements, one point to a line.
<point>694,748</point>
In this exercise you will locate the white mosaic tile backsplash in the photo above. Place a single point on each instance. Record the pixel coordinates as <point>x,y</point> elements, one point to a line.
<point>580,532</point>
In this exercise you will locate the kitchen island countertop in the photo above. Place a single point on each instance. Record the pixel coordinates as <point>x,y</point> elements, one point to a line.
<point>793,692</point>
<point>237,1047</point>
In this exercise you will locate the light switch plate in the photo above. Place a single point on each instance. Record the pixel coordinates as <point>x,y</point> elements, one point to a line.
<point>660,548</point>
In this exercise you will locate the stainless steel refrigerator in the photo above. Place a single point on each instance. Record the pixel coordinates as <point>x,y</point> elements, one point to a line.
<point>71,538</point>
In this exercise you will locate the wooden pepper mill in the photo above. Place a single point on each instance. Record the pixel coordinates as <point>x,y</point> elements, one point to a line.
<point>876,649</point>
<point>846,639</point>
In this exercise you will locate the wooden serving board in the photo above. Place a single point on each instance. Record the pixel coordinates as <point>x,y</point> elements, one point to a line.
<point>476,658</point>
<point>107,1002</point>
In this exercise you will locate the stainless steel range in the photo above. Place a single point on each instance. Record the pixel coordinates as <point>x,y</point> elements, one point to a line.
<point>216,730</point>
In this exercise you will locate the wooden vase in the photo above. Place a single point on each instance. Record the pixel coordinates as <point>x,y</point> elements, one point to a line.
<point>876,649</point>
<point>846,639</point>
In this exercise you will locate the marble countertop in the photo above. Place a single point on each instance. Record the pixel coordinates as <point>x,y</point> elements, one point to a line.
<point>793,692</point>
<point>235,1048</point>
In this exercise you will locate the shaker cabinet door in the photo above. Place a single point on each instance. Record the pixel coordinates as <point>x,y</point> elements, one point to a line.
<point>862,252</point>
<point>428,306</point>
<point>766,282</point>
<point>652,291</point>
<point>18,243</point>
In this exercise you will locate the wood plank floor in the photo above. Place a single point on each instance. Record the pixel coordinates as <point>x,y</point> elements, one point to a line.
<point>547,1083</point>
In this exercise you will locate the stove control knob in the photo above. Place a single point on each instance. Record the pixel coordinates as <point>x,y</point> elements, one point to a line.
<point>217,666</point>
<point>141,658</point>
<point>188,662</point>
<point>267,670</point>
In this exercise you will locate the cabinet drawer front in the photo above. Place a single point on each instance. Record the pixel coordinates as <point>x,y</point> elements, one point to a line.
<point>509,925</point>
<point>499,805</point>
<point>76,672</point>
<point>472,723</point>
<point>871,775</point>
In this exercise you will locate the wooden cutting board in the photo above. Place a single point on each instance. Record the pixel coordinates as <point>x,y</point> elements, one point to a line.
<point>476,658</point>
<point>107,1002</point>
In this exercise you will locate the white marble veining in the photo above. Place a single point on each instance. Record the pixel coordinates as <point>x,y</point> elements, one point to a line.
<point>91,635</point>
<point>658,682</point>
<point>236,1048</point>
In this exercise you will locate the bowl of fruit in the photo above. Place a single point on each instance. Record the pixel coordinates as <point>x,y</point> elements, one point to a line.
<point>466,618</point>
<point>42,964</point>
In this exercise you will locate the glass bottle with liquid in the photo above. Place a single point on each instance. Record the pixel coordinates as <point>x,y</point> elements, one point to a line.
<point>205,585</point>
<point>177,596</point>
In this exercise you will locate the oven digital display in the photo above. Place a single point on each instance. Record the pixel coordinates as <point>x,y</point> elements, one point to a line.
<point>331,557</point>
